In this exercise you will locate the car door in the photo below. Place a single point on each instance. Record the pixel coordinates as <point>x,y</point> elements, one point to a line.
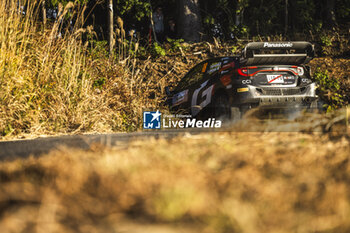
<point>202,93</point>
<point>186,87</point>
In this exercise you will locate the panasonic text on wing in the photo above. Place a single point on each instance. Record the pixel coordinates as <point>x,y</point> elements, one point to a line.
<point>278,45</point>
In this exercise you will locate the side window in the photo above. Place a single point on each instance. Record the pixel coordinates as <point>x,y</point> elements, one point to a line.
<point>193,76</point>
<point>213,66</point>
<point>222,65</point>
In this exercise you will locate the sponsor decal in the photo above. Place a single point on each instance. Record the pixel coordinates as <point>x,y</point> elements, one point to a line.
<point>152,120</point>
<point>225,60</point>
<point>245,89</point>
<point>180,97</point>
<point>278,45</point>
<point>289,78</point>
<point>204,67</point>
<point>227,66</point>
<point>247,81</point>
<point>201,97</point>
<point>214,67</point>
<point>275,78</point>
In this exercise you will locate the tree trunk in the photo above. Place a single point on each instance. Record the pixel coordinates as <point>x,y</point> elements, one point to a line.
<point>286,18</point>
<point>293,16</point>
<point>110,26</point>
<point>330,15</point>
<point>190,24</point>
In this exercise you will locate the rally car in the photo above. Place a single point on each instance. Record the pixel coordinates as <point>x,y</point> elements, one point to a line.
<point>266,74</point>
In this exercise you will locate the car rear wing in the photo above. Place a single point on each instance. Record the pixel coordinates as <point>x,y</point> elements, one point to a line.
<point>277,53</point>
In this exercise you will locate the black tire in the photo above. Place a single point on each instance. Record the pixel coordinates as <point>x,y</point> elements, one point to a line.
<point>221,107</point>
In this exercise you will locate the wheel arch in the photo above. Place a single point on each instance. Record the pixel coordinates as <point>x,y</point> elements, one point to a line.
<point>221,91</point>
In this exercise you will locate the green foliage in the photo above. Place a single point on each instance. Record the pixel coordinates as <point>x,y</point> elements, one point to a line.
<point>98,49</point>
<point>8,130</point>
<point>99,83</point>
<point>241,5</point>
<point>209,20</point>
<point>268,17</point>
<point>218,16</point>
<point>256,17</point>
<point>326,41</point>
<point>157,50</point>
<point>140,8</point>
<point>317,27</point>
<point>142,52</point>
<point>329,90</point>
<point>342,10</point>
<point>305,12</point>
<point>54,3</point>
<point>235,49</point>
<point>175,44</point>
<point>239,31</point>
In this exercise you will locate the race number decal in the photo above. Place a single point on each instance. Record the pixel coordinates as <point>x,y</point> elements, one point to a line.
<point>206,96</point>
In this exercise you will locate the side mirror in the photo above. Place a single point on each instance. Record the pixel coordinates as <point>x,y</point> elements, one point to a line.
<point>167,91</point>
<point>308,69</point>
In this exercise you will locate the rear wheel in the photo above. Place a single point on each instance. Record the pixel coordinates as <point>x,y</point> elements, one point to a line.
<point>235,114</point>
<point>221,107</point>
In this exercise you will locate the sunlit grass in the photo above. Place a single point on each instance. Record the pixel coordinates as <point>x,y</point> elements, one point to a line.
<point>51,82</point>
<point>222,182</point>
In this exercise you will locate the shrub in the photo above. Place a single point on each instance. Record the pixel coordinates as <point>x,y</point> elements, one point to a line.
<point>329,90</point>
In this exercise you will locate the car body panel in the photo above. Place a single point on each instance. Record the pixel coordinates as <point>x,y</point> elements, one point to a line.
<point>247,84</point>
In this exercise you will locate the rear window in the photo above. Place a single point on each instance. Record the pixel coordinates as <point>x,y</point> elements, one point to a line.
<point>193,76</point>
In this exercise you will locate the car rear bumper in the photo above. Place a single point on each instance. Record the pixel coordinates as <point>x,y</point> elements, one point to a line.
<point>278,97</point>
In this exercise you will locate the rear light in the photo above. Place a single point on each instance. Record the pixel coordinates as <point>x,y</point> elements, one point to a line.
<point>243,72</point>
<point>300,70</point>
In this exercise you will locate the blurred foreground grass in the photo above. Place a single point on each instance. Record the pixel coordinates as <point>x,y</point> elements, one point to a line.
<point>222,182</point>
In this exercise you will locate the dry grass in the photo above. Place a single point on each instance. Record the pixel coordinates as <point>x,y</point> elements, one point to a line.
<point>52,84</point>
<point>58,85</point>
<point>226,182</point>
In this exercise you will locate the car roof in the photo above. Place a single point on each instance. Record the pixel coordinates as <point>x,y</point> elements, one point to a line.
<point>221,57</point>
